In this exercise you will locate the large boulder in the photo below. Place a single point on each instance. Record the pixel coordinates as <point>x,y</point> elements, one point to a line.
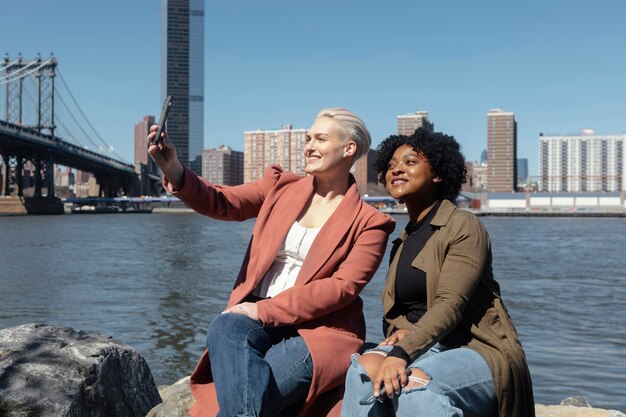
<point>62,372</point>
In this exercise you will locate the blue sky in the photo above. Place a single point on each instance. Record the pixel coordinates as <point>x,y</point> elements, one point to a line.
<point>560,66</point>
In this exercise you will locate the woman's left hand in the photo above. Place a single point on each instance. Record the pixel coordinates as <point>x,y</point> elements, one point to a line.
<point>394,338</point>
<point>247,309</point>
<point>393,374</point>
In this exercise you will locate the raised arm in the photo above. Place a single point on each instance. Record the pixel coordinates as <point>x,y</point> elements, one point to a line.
<point>239,202</point>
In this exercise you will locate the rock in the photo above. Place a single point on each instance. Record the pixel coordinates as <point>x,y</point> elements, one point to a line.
<point>576,402</point>
<point>62,372</point>
<point>177,399</point>
<point>569,411</point>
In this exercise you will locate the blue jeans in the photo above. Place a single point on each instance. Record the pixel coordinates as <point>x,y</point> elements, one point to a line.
<point>257,371</point>
<point>460,385</point>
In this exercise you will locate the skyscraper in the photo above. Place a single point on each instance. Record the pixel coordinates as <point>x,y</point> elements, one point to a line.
<point>502,150</point>
<point>408,123</point>
<point>182,75</point>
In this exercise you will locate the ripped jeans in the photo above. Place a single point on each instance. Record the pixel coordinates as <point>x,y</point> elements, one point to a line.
<point>460,384</point>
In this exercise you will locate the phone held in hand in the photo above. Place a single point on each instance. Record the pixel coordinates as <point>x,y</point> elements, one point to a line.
<point>162,119</point>
<point>370,399</point>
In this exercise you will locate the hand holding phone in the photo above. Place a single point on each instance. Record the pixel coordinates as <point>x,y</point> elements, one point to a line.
<point>371,398</point>
<point>162,119</point>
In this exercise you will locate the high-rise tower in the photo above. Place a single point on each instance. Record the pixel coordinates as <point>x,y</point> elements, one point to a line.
<point>502,150</point>
<point>182,75</point>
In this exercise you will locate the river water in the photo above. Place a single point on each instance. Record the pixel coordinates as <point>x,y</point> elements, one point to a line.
<point>155,281</point>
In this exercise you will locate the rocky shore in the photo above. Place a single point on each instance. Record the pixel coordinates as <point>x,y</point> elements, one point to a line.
<point>57,371</point>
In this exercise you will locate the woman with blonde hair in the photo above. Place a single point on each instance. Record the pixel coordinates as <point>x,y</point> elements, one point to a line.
<point>294,315</point>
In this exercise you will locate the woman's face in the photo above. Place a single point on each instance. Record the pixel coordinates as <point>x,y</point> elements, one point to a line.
<point>325,146</point>
<point>409,174</point>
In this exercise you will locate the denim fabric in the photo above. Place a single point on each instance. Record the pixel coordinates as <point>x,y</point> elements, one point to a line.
<point>257,371</point>
<point>460,385</point>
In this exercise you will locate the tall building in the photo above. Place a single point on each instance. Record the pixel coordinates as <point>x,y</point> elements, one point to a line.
<point>222,166</point>
<point>182,75</point>
<point>502,151</point>
<point>283,146</point>
<point>408,123</point>
<point>522,170</point>
<point>364,172</point>
<point>582,163</point>
<point>141,146</point>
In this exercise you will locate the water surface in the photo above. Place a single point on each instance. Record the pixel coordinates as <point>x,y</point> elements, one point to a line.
<point>155,281</point>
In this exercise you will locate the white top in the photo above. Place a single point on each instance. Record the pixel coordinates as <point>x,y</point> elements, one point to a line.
<point>285,268</point>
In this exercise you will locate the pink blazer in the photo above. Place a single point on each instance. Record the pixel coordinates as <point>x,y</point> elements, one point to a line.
<point>324,305</point>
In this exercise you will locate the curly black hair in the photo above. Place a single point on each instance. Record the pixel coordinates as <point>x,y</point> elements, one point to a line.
<point>442,151</point>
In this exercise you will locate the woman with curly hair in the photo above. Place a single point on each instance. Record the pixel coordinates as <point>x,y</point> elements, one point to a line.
<point>451,348</point>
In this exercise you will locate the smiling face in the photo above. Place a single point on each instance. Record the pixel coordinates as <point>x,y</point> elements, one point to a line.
<point>410,176</point>
<point>326,148</point>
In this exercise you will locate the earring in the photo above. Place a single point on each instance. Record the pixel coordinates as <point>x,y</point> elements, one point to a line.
<point>345,154</point>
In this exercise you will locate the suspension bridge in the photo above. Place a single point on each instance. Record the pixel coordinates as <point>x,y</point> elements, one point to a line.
<point>42,125</point>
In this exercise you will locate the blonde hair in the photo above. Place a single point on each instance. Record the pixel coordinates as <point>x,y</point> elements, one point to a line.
<point>352,125</point>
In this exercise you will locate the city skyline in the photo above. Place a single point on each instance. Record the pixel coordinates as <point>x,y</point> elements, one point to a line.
<point>557,66</point>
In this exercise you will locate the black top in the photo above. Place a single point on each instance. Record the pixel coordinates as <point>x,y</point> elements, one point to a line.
<point>411,281</point>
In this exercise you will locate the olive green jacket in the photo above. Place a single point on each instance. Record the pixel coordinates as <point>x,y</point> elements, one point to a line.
<point>464,306</point>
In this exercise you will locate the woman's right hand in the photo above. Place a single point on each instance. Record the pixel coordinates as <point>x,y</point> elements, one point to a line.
<point>394,338</point>
<point>164,155</point>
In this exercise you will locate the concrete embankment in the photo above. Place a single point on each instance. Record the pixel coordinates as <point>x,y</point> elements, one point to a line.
<point>57,371</point>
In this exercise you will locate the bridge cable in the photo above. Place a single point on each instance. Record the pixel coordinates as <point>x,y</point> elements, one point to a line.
<point>77,123</point>
<point>16,74</point>
<point>87,120</point>
<point>13,77</point>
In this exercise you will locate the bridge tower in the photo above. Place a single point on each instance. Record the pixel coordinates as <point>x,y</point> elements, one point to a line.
<point>44,73</point>
<point>14,73</point>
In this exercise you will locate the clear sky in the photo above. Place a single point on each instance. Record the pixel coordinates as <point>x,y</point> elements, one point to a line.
<point>559,65</point>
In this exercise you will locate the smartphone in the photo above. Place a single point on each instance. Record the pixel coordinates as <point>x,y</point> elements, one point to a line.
<point>370,399</point>
<point>162,118</point>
